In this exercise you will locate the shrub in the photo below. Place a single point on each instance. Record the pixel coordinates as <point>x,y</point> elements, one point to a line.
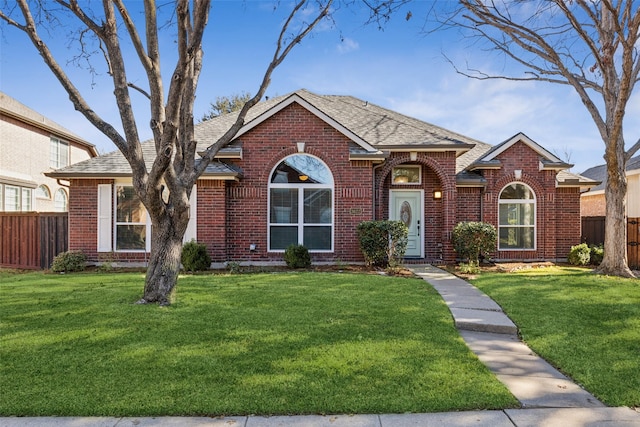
<point>579,254</point>
<point>597,253</point>
<point>195,257</point>
<point>297,256</point>
<point>383,243</point>
<point>470,268</point>
<point>69,261</point>
<point>234,267</point>
<point>473,239</point>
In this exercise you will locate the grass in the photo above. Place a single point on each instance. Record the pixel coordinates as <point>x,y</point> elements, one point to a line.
<point>585,324</point>
<point>286,343</point>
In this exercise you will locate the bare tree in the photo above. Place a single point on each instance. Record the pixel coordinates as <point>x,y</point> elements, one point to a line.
<point>175,167</point>
<point>589,45</point>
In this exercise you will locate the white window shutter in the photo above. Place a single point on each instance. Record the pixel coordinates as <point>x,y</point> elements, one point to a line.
<point>192,228</point>
<point>105,223</point>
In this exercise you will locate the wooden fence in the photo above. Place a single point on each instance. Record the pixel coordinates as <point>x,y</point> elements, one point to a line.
<point>593,234</point>
<point>31,240</point>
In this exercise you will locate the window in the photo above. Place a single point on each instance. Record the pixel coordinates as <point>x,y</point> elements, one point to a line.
<point>407,174</point>
<point>59,154</point>
<point>301,204</point>
<point>60,201</point>
<point>42,192</point>
<point>11,198</point>
<point>17,199</point>
<point>517,217</point>
<point>131,220</point>
<point>26,200</point>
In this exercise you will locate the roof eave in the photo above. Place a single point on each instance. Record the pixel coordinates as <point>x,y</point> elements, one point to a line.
<point>71,137</point>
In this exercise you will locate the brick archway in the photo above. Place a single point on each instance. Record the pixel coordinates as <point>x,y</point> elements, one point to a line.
<point>447,185</point>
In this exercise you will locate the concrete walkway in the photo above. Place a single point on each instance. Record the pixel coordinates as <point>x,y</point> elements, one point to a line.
<point>492,336</point>
<point>549,399</point>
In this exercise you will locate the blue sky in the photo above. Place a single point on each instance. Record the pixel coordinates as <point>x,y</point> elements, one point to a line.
<point>399,68</point>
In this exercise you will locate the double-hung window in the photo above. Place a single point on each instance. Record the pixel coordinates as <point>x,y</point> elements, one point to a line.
<point>301,204</point>
<point>517,218</point>
<point>131,220</point>
<point>58,154</point>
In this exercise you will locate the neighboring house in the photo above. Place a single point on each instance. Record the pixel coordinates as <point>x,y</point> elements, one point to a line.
<point>593,202</point>
<point>30,146</point>
<point>308,169</point>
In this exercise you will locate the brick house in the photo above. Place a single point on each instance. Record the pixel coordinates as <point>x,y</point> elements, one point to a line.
<point>30,146</point>
<point>307,169</point>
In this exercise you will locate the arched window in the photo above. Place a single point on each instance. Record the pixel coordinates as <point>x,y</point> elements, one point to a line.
<point>42,192</point>
<point>301,204</point>
<point>60,200</point>
<point>517,217</point>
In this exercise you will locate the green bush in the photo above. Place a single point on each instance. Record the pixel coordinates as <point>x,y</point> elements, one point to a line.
<point>195,257</point>
<point>297,256</point>
<point>597,253</point>
<point>473,239</point>
<point>383,243</point>
<point>579,254</point>
<point>69,261</point>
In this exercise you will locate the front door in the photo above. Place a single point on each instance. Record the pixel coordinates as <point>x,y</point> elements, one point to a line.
<point>406,206</point>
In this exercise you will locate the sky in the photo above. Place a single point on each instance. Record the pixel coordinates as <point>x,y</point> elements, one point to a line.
<point>399,67</point>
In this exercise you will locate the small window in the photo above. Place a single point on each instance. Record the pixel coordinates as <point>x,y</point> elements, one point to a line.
<point>407,175</point>
<point>59,154</point>
<point>517,218</point>
<point>60,201</point>
<point>42,192</point>
<point>26,200</point>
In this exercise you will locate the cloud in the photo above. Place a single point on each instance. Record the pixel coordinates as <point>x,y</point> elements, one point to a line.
<point>347,45</point>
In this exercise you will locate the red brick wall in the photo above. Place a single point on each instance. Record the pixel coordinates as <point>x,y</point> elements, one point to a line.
<point>438,172</point>
<point>557,209</point>
<point>264,147</point>
<point>83,216</point>
<point>211,214</point>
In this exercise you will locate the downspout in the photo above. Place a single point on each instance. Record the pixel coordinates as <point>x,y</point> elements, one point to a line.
<point>373,196</point>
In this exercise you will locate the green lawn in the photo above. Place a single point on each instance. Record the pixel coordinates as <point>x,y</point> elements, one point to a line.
<point>286,343</point>
<point>586,325</point>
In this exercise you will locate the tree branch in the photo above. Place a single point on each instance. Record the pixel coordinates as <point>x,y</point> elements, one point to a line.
<point>282,50</point>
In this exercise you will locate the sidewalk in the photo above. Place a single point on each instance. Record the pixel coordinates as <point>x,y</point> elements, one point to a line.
<point>548,398</point>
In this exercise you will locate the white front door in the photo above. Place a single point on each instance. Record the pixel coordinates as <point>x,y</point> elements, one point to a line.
<point>406,206</point>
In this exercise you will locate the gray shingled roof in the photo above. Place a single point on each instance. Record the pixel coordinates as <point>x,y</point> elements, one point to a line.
<point>370,125</point>
<point>599,173</point>
<point>378,126</point>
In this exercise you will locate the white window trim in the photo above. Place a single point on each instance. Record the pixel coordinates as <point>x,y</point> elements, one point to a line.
<point>66,200</point>
<point>533,201</point>
<point>300,224</point>
<point>43,197</point>
<point>418,167</point>
<point>29,198</point>
<point>18,208</point>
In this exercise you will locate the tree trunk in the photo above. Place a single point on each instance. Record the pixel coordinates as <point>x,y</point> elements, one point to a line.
<point>615,262</point>
<point>164,260</point>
